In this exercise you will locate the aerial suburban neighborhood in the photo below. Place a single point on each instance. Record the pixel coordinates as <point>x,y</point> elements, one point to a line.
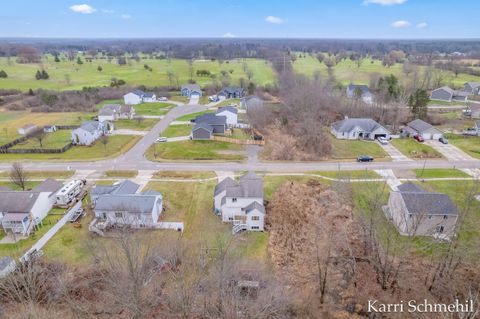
<point>179,159</point>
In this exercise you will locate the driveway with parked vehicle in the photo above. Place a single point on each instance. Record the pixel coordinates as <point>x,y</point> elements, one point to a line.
<point>449,151</point>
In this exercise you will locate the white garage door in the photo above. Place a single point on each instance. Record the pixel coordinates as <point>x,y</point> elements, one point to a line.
<point>427,136</point>
<point>437,136</point>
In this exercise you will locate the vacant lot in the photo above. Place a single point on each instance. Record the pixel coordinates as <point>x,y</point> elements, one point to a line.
<point>157,109</point>
<point>470,145</point>
<point>53,140</point>
<point>189,117</point>
<point>346,149</point>
<point>140,124</point>
<point>177,130</point>
<point>439,173</point>
<point>414,149</point>
<point>116,145</point>
<point>196,150</point>
<point>70,75</point>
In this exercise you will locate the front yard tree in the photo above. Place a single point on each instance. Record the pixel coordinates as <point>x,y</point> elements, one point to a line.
<point>18,176</point>
<point>79,61</point>
<point>104,140</point>
<point>139,119</point>
<point>99,69</point>
<point>3,74</point>
<point>418,102</point>
<point>40,137</point>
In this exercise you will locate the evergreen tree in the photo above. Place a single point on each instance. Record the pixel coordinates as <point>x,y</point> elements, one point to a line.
<point>79,61</point>
<point>418,102</point>
<point>45,75</point>
<point>99,69</point>
<point>57,59</point>
<point>30,92</point>
<point>38,75</point>
<point>3,74</point>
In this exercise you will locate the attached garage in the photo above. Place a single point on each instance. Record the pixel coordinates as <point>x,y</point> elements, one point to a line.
<point>202,131</point>
<point>422,128</point>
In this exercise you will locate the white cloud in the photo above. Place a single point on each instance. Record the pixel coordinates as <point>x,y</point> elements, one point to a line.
<point>108,11</point>
<point>384,2</point>
<point>229,35</point>
<point>422,25</point>
<point>125,16</point>
<point>401,24</point>
<point>274,20</point>
<point>82,8</point>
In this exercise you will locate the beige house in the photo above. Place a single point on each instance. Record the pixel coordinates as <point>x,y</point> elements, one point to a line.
<point>416,212</point>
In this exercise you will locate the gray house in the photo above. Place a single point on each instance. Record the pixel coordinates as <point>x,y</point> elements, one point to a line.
<point>217,122</point>
<point>416,212</point>
<point>472,88</point>
<point>122,188</point>
<point>202,131</point>
<point>359,91</point>
<point>230,92</point>
<point>358,128</point>
<point>422,128</point>
<point>191,89</point>
<point>447,94</point>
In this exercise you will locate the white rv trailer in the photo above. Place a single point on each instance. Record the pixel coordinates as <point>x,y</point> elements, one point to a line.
<point>68,192</point>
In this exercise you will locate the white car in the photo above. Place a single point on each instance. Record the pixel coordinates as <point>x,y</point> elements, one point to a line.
<point>161,139</point>
<point>382,140</point>
<point>162,98</point>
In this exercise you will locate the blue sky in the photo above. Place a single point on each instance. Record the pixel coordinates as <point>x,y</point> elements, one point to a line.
<point>241,18</point>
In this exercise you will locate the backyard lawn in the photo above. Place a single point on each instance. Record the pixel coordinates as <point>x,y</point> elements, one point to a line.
<point>196,150</point>
<point>348,149</point>
<point>177,130</point>
<point>53,140</point>
<point>469,144</point>
<point>117,144</point>
<point>414,149</point>
<point>189,117</point>
<point>158,108</point>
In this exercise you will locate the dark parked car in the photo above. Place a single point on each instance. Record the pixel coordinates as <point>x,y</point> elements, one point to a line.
<point>419,138</point>
<point>364,158</point>
<point>443,140</point>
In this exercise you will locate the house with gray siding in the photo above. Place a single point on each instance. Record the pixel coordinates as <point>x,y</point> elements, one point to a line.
<point>358,128</point>
<point>417,212</point>
<point>205,123</point>
<point>231,92</point>
<point>241,203</point>
<point>422,128</point>
<point>472,88</point>
<point>447,94</point>
<point>114,112</point>
<point>202,131</point>
<point>191,89</point>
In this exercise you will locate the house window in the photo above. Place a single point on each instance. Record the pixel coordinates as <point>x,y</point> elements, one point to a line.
<point>439,229</point>
<point>255,227</point>
<point>429,216</point>
<point>410,215</point>
<point>445,217</point>
<point>255,217</point>
<point>118,215</point>
<point>234,200</point>
<point>230,218</point>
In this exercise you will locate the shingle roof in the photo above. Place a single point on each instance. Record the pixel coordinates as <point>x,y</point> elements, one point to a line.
<point>410,187</point>
<point>124,188</point>
<point>90,126</point>
<point>137,203</point>
<point>446,88</point>
<point>139,93</point>
<point>253,206</point>
<point>220,187</point>
<point>250,185</point>
<point>346,125</point>
<point>49,185</point>
<point>204,126</point>
<point>5,262</point>
<point>228,108</point>
<point>211,119</point>
<point>232,89</point>
<point>473,84</point>
<point>419,125</point>
<point>191,87</point>
<point>428,203</point>
<point>17,202</point>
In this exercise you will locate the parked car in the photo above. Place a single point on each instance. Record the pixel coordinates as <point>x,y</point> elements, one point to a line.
<point>382,140</point>
<point>213,98</point>
<point>443,140</point>
<point>161,139</point>
<point>419,138</point>
<point>364,158</point>
<point>163,98</point>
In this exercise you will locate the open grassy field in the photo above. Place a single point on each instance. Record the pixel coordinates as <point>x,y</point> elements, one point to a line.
<point>10,122</point>
<point>70,75</point>
<point>42,174</point>
<point>348,149</point>
<point>135,124</point>
<point>177,130</point>
<point>414,149</point>
<point>470,144</point>
<point>184,174</point>
<point>439,173</point>
<point>117,145</point>
<point>158,108</point>
<point>52,140</point>
<point>196,150</point>
<point>348,71</point>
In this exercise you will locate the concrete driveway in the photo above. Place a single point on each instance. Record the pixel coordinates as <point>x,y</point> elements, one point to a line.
<point>449,151</point>
<point>394,153</point>
<point>194,99</point>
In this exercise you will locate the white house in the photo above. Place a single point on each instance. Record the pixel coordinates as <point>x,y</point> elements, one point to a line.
<point>121,205</point>
<point>90,131</point>
<point>230,112</point>
<point>138,96</point>
<point>113,112</point>
<point>21,211</point>
<point>358,128</point>
<point>241,203</point>
<point>416,212</point>
<point>422,128</point>
<point>7,265</point>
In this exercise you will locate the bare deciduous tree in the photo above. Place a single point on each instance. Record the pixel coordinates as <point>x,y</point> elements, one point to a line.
<point>18,176</point>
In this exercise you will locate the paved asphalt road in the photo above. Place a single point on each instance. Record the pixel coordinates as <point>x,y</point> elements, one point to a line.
<point>134,158</point>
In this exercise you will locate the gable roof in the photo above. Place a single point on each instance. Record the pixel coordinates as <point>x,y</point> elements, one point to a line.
<point>90,126</point>
<point>203,126</point>
<point>138,93</point>
<point>28,126</point>
<point>211,119</point>
<point>420,126</point>
<point>348,124</point>
<point>249,185</point>
<point>253,206</point>
<point>222,186</point>
<point>6,262</point>
<point>49,185</point>
<point>228,108</point>
<point>473,85</point>
<point>232,89</point>
<point>191,87</point>
<point>410,187</point>
<point>125,187</point>
<point>447,89</point>
<point>137,203</point>
<point>17,201</point>
<point>428,203</point>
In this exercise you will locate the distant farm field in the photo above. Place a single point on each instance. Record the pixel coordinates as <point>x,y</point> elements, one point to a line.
<point>70,75</point>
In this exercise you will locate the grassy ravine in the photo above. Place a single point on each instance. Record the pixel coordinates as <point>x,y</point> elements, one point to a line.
<point>439,173</point>
<point>414,149</point>
<point>69,75</point>
<point>195,150</point>
<point>117,144</point>
<point>470,145</point>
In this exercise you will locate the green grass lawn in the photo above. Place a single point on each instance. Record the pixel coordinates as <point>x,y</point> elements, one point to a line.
<point>195,150</point>
<point>28,185</point>
<point>135,124</point>
<point>117,144</point>
<point>18,249</point>
<point>69,75</point>
<point>469,144</point>
<point>184,174</point>
<point>189,117</point>
<point>228,102</point>
<point>121,173</point>
<point>349,149</point>
<point>439,173</point>
<point>356,174</point>
<point>177,130</point>
<point>53,140</point>
<point>158,108</point>
<point>436,102</point>
<point>240,134</point>
<point>43,174</point>
<point>105,102</point>
<point>414,149</point>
